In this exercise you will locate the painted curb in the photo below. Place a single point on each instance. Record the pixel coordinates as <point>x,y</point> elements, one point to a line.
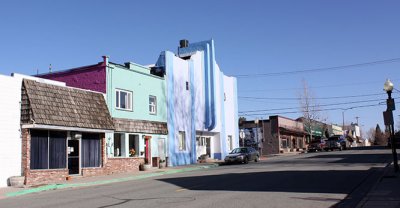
<point>101,182</point>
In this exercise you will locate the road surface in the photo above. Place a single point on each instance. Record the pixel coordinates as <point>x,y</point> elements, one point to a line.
<point>323,179</point>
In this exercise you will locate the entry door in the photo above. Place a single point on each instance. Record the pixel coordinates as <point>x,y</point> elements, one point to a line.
<point>73,157</point>
<point>147,151</point>
<point>208,146</point>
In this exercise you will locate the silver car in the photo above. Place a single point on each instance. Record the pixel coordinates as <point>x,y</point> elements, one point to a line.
<point>242,155</point>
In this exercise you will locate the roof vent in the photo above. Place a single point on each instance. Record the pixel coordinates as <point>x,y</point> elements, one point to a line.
<point>183,43</point>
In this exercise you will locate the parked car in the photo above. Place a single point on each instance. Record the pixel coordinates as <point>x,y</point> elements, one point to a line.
<point>242,155</point>
<point>335,143</point>
<point>316,145</point>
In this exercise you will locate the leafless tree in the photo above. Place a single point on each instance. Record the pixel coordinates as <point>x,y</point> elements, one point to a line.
<point>310,110</point>
<point>371,135</point>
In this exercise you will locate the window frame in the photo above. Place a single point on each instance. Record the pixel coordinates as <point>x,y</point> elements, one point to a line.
<point>129,99</point>
<point>49,141</point>
<point>153,105</point>
<point>182,141</point>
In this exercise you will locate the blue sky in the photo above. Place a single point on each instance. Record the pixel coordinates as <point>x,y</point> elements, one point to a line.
<point>251,37</point>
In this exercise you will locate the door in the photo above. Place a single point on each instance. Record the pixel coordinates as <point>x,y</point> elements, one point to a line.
<point>73,157</point>
<point>208,146</point>
<point>147,151</point>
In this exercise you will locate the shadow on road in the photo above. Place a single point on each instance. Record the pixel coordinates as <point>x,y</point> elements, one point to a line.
<point>341,182</point>
<point>355,158</point>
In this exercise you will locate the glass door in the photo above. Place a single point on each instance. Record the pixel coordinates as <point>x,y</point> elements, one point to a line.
<point>73,157</point>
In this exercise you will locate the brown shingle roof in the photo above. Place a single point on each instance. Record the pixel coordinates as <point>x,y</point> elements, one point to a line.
<point>62,106</point>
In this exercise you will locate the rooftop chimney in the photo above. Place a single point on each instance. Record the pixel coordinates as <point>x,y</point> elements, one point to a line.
<point>105,60</point>
<point>183,43</point>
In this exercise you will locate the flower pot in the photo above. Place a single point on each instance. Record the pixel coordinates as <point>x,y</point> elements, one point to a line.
<point>162,165</point>
<point>146,167</point>
<point>17,181</point>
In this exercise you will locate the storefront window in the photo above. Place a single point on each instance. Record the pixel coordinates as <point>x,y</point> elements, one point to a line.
<point>48,149</point>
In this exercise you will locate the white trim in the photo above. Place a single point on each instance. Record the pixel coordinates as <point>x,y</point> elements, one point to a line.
<point>153,105</point>
<point>66,128</point>
<point>129,99</point>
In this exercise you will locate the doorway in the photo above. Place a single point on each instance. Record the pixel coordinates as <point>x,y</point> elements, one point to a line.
<point>147,150</point>
<point>73,157</point>
<point>208,146</point>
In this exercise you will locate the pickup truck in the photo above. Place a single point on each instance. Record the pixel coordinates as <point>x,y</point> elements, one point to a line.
<point>335,143</point>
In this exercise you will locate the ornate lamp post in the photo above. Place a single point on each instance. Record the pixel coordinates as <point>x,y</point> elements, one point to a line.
<point>388,118</point>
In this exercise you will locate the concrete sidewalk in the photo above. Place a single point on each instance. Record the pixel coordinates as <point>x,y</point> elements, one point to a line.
<point>79,181</point>
<point>386,191</point>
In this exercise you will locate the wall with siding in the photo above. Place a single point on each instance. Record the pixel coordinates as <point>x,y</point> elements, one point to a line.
<point>10,136</point>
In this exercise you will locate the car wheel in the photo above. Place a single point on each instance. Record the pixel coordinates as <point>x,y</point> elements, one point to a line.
<point>257,159</point>
<point>246,160</point>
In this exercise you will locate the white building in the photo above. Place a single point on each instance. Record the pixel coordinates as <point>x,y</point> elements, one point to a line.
<point>10,125</point>
<point>201,102</point>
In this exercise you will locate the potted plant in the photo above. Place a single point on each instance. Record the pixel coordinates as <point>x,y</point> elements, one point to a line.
<point>162,164</point>
<point>132,152</point>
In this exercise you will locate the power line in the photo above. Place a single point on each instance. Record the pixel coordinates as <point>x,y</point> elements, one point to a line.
<point>334,68</point>
<point>313,87</point>
<point>329,109</point>
<point>323,105</point>
<point>319,98</point>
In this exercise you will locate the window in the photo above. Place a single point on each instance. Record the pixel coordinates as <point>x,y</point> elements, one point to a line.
<point>48,149</point>
<point>91,150</point>
<point>118,140</point>
<point>152,104</point>
<point>230,142</point>
<point>123,100</point>
<point>182,141</point>
<point>133,145</point>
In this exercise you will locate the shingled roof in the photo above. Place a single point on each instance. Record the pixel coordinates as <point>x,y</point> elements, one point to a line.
<point>63,106</point>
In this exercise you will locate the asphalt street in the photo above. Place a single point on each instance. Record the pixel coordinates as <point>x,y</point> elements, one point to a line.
<point>323,179</point>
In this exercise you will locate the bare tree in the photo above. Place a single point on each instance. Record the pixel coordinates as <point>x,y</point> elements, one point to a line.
<point>371,135</point>
<point>381,138</point>
<point>310,110</point>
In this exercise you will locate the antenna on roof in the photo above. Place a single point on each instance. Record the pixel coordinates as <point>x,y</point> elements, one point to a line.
<point>50,68</point>
<point>37,71</point>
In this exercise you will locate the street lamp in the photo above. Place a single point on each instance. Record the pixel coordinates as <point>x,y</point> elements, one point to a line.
<point>388,118</point>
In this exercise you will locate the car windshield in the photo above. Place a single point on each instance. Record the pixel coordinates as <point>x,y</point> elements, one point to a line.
<point>239,150</point>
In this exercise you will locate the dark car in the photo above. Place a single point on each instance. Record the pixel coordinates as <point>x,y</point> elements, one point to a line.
<point>316,145</point>
<point>242,155</point>
<point>335,143</point>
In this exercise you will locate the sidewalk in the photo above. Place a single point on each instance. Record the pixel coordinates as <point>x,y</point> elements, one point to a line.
<point>79,181</point>
<point>386,191</point>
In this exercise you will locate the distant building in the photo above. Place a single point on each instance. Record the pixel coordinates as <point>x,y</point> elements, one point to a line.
<point>278,134</point>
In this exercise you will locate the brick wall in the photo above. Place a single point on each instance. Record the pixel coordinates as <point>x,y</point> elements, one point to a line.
<point>109,165</point>
<point>37,177</point>
<point>123,165</point>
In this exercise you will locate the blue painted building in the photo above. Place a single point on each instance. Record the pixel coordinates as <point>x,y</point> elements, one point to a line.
<point>202,112</point>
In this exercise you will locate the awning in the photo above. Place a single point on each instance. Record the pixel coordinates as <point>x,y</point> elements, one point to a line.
<point>292,131</point>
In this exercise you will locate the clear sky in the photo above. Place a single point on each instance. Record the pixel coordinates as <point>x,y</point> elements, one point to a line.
<point>251,37</point>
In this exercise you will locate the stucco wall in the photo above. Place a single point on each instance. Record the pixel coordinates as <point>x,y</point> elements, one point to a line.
<point>89,78</point>
<point>142,85</point>
<point>10,139</point>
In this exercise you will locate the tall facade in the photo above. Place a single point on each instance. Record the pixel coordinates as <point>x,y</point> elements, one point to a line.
<point>201,103</point>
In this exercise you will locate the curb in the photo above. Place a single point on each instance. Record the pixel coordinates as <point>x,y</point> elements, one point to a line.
<point>93,183</point>
<point>365,198</point>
